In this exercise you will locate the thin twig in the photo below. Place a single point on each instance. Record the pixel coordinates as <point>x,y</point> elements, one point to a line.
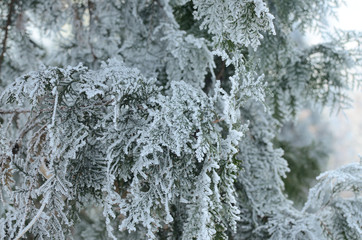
<point>37,216</point>
<point>13,111</point>
<point>218,120</point>
<point>31,123</point>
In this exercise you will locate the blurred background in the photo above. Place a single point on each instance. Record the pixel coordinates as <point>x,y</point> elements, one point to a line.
<point>345,126</point>
<point>323,139</point>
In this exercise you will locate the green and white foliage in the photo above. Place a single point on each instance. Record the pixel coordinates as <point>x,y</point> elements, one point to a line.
<point>241,22</point>
<point>260,184</point>
<point>110,137</point>
<point>297,71</point>
<point>304,13</point>
<point>334,211</point>
<point>126,131</point>
<point>188,58</point>
<point>266,213</point>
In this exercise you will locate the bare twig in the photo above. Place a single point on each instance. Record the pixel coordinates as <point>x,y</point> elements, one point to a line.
<point>13,111</point>
<point>218,120</point>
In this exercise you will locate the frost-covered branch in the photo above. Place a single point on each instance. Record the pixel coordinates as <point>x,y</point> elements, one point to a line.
<point>36,217</point>
<point>160,120</point>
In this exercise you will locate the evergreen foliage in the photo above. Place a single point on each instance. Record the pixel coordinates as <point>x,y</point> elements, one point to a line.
<point>161,119</point>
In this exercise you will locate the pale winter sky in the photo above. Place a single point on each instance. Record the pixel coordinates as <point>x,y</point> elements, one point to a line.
<point>350,15</point>
<point>347,125</point>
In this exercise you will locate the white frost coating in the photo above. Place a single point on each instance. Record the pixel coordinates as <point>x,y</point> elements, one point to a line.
<point>56,93</point>
<point>153,141</point>
<point>240,21</point>
<point>346,178</point>
<point>36,217</point>
<point>189,58</point>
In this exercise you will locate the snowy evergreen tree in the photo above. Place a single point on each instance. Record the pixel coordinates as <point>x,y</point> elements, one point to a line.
<point>161,119</point>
